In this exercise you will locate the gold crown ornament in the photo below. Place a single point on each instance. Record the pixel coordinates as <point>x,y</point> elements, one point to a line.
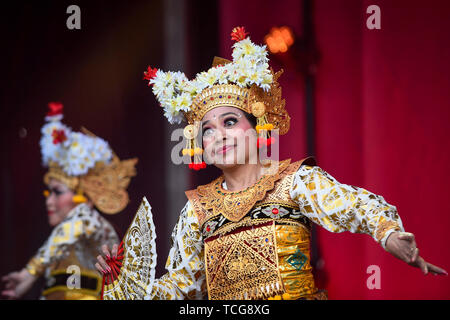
<point>85,163</point>
<point>247,83</point>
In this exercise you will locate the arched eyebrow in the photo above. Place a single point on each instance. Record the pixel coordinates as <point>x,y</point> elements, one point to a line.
<point>222,116</point>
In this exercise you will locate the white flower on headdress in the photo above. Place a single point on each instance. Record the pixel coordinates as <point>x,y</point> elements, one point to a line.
<point>183,102</point>
<point>212,76</point>
<point>175,92</point>
<point>158,84</point>
<point>208,78</point>
<point>243,48</point>
<point>192,88</point>
<point>99,150</point>
<point>267,80</point>
<point>223,77</point>
<point>49,142</point>
<point>174,118</point>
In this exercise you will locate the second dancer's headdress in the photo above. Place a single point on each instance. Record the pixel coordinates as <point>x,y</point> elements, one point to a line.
<point>85,163</point>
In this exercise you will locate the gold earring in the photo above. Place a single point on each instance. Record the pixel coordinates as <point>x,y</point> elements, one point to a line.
<point>79,197</point>
<point>263,127</point>
<point>192,149</point>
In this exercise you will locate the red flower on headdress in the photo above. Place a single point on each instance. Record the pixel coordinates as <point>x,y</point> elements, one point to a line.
<point>150,74</point>
<point>54,109</point>
<point>59,136</point>
<point>238,34</point>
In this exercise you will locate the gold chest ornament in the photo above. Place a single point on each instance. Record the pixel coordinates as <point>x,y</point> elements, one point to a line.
<point>243,264</point>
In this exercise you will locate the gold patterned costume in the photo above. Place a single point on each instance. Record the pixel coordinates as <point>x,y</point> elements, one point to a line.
<point>71,250</point>
<point>264,251</point>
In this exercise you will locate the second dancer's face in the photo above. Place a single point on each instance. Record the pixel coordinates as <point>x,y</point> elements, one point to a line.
<point>229,139</point>
<point>59,202</point>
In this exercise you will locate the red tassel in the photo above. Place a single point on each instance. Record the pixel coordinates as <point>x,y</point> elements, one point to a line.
<point>265,142</point>
<point>197,166</point>
<point>270,141</point>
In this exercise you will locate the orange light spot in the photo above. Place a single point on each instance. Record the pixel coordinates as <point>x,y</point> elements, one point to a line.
<point>279,39</point>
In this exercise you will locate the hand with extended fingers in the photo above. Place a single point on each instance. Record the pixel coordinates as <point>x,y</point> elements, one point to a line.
<point>109,264</point>
<point>402,245</point>
<point>17,283</point>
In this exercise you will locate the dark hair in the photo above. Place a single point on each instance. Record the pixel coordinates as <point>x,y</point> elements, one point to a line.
<point>251,118</point>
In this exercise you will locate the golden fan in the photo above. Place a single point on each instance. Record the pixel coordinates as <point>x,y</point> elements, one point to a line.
<point>133,269</point>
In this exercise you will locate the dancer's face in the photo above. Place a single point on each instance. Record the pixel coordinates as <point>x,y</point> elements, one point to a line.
<point>59,202</point>
<point>229,139</point>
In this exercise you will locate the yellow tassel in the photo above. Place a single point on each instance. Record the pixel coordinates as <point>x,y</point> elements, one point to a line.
<point>266,126</point>
<point>189,152</point>
<point>263,127</point>
<point>79,198</point>
<point>258,128</point>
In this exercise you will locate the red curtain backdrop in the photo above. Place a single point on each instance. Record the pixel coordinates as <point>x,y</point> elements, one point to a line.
<point>382,112</point>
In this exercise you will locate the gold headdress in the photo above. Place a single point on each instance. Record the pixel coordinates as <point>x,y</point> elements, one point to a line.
<point>246,83</point>
<point>85,163</point>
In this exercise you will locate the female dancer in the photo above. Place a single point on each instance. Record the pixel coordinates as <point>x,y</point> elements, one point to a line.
<point>245,235</point>
<point>84,176</point>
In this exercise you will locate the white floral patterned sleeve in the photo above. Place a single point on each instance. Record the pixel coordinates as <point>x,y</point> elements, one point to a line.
<point>185,277</point>
<point>79,237</point>
<point>339,207</point>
